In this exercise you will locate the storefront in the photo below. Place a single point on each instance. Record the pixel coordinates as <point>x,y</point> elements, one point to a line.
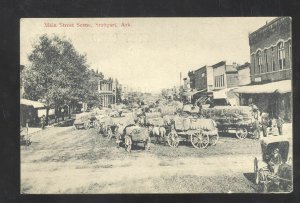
<point>274,98</point>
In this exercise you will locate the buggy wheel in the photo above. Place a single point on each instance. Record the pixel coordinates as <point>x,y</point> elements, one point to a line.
<point>173,139</point>
<point>128,143</point>
<point>256,171</point>
<point>263,181</point>
<point>199,140</point>
<point>214,139</point>
<point>241,133</point>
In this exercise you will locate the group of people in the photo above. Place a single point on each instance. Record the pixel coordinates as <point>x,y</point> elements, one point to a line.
<point>268,125</point>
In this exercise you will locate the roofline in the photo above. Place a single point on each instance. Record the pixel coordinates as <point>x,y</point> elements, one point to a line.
<point>231,71</point>
<point>266,25</point>
<point>219,64</point>
<point>245,65</point>
<point>201,68</point>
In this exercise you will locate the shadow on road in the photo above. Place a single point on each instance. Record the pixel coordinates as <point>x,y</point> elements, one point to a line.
<point>250,177</point>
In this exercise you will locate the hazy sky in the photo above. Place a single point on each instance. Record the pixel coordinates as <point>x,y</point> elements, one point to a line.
<point>151,52</point>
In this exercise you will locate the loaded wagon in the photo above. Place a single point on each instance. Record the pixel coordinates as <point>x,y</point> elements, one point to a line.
<point>273,172</point>
<point>200,132</point>
<point>236,119</point>
<point>85,120</point>
<point>135,134</point>
<point>109,126</point>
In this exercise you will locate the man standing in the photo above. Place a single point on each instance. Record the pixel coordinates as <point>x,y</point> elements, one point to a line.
<point>43,119</point>
<point>280,122</point>
<point>265,123</point>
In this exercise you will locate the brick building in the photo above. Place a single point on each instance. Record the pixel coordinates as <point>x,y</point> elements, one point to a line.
<point>270,69</point>
<point>201,82</point>
<point>271,51</point>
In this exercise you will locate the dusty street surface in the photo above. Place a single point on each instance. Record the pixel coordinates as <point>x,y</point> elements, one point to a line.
<point>65,160</point>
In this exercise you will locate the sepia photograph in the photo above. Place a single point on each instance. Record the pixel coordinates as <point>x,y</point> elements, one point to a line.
<point>162,105</point>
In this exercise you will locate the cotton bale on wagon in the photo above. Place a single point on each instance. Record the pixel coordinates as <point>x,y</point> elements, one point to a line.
<point>238,119</point>
<point>135,134</point>
<point>200,132</point>
<point>84,120</point>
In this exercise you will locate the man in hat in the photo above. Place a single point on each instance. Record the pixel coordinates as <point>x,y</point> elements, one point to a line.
<point>275,161</point>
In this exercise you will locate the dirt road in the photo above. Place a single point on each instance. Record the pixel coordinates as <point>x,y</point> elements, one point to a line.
<point>65,160</point>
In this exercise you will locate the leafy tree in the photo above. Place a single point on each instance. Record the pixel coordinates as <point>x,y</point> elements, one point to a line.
<point>57,74</point>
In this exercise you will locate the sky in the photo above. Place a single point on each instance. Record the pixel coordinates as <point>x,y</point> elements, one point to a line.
<point>148,54</point>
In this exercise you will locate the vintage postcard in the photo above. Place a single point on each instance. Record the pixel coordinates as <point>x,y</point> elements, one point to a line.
<point>156,105</point>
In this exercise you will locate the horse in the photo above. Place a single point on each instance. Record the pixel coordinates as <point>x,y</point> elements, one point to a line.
<point>158,132</point>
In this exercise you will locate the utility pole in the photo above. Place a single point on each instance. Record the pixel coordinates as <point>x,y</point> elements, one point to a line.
<point>180,80</point>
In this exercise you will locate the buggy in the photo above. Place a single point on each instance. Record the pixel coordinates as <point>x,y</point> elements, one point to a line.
<point>269,177</point>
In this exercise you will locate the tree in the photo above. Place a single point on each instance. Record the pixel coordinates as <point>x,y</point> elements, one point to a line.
<point>57,74</point>
<point>92,95</point>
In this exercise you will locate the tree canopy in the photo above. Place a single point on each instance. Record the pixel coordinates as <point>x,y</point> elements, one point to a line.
<point>58,74</point>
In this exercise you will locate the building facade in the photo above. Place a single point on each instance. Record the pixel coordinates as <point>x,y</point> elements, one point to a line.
<point>271,51</point>
<point>270,69</point>
<point>225,76</point>
<point>244,74</point>
<point>107,91</point>
<point>201,79</point>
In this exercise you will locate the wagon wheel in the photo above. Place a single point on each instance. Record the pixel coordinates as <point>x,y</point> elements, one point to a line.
<point>28,142</point>
<point>173,139</point>
<point>128,143</point>
<point>214,139</point>
<point>199,140</point>
<point>256,172</point>
<point>241,133</point>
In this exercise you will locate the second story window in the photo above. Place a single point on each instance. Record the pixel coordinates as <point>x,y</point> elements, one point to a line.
<point>290,54</point>
<point>266,61</point>
<point>219,81</point>
<point>259,62</point>
<point>281,56</point>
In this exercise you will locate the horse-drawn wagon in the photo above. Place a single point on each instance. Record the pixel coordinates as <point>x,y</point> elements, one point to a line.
<point>236,119</point>
<point>133,135</point>
<point>200,132</point>
<point>85,120</point>
<point>109,126</point>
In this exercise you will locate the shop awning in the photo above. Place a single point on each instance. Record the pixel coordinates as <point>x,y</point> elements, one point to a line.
<point>191,93</point>
<point>281,87</point>
<point>222,94</point>
<point>35,104</point>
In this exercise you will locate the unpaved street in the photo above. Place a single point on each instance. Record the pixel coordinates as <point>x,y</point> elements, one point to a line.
<point>65,160</point>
